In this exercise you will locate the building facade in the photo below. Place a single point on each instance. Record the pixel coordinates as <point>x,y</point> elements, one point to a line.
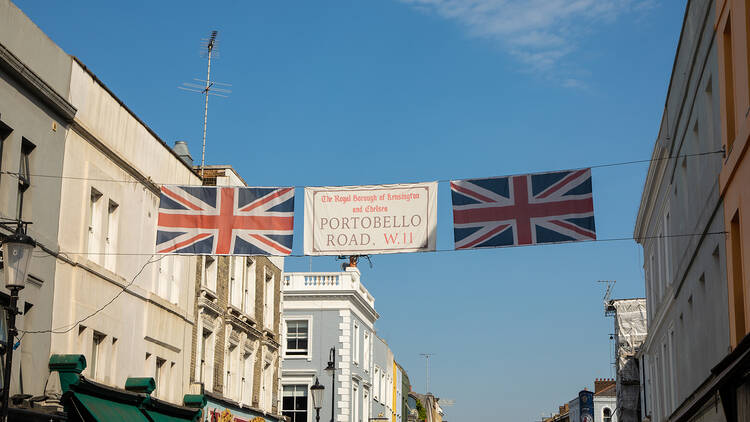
<point>84,169</point>
<point>325,312</point>
<point>629,334</point>
<point>35,116</point>
<point>733,28</point>
<point>680,227</point>
<point>236,340</point>
<point>605,402</point>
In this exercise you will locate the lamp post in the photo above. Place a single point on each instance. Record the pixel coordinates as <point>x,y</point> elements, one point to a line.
<point>317,397</point>
<point>331,369</point>
<point>17,249</point>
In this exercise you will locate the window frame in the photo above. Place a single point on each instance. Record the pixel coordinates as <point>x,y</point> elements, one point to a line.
<point>24,174</point>
<point>308,353</point>
<point>306,413</point>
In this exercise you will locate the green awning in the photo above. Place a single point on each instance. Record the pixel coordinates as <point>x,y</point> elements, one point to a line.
<point>95,409</point>
<point>161,417</point>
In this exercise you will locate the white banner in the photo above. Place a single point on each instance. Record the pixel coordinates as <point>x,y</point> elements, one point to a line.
<point>362,220</point>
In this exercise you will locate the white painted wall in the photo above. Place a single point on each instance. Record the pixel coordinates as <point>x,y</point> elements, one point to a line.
<point>148,323</point>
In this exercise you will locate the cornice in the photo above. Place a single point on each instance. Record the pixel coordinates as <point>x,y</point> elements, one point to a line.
<point>363,306</point>
<point>86,134</point>
<point>36,85</point>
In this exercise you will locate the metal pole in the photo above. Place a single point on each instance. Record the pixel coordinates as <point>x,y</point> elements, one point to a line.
<point>333,383</point>
<point>12,332</point>
<point>317,416</point>
<point>427,390</point>
<point>205,111</point>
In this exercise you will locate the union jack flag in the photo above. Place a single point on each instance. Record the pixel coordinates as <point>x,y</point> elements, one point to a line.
<point>523,210</point>
<point>201,220</point>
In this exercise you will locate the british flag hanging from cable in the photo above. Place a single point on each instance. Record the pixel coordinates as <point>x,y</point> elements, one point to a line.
<point>523,210</point>
<point>225,220</point>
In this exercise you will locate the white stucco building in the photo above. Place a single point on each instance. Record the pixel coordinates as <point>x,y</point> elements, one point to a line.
<point>325,310</point>
<point>109,209</point>
<point>680,227</point>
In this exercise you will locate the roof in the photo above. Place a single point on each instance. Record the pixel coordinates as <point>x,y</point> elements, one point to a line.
<point>609,390</point>
<point>135,116</point>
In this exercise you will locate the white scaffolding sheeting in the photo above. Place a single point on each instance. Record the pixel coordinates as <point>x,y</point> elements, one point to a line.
<point>630,333</point>
<point>630,327</point>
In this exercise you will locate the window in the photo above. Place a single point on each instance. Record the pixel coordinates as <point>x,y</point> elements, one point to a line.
<point>110,241</point>
<point>355,403</point>
<point>248,302</point>
<point>366,346</point>
<point>667,256</point>
<point>672,373</point>
<point>175,277</point>
<point>165,273</point>
<point>738,289</point>
<point>95,225</point>
<point>5,131</point>
<point>376,382</point>
<point>209,273</point>
<point>235,282</point>
<point>664,385</point>
<point>383,390</point>
<point>24,175</point>
<point>3,336</point>
<point>297,338</point>
<point>729,83</point>
<point>96,355</point>
<point>268,302</point>
<point>366,405</point>
<point>266,386</point>
<point>231,372</point>
<point>206,364</point>
<point>159,376</point>
<point>355,341</point>
<point>248,362</point>
<point>294,403</point>
<point>607,415</point>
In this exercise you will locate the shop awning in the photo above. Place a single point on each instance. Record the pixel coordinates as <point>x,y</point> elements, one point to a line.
<point>89,401</point>
<point>160,417</point>
<point>96,409</point>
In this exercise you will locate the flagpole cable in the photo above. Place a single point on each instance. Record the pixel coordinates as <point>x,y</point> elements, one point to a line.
<point>123,289</point>
<point>68,328</point>
<point>604,165</point>
<point>336,253</point>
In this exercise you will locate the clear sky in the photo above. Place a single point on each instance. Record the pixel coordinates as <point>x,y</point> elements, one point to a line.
<point>388,91</point>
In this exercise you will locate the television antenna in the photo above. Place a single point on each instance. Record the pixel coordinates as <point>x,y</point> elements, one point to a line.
<point>208,46</point>
<point>608,309</point>
<point>427,359</point>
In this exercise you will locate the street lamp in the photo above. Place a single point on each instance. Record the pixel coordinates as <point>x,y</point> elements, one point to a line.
<point>17,249</point>
<point>331,369</point>
<point>317,397</point>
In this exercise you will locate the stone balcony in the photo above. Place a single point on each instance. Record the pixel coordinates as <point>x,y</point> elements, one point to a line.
<point>326,282</point>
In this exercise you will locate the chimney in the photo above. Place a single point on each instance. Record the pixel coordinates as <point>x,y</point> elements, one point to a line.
<point>181,149</point>
<point>602,383</point>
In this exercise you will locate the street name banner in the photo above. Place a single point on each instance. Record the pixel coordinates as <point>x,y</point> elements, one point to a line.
<point>201,220</point>
<point>364,220</point>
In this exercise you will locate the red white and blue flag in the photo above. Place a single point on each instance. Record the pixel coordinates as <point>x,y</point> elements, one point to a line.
<point>225,220</point>
<point>523,210</point>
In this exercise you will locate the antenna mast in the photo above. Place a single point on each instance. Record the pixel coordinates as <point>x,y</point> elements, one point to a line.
<point>427,359</point>
<point>209,50</point>
<point>206,90</point>
<point>608,311</point>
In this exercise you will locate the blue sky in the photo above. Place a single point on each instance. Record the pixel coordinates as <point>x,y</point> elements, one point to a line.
<point>387,91</point>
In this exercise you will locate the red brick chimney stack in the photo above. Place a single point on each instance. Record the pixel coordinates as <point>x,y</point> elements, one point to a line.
<point>602,383</point>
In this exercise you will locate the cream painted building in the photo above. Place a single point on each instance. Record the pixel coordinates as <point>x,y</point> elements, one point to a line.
<point>108,214</point>
<point>84,169</point>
